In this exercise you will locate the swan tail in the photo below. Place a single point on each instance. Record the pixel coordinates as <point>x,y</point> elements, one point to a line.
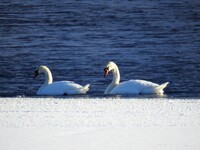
<point>85,88</point>
<point>160,88</point>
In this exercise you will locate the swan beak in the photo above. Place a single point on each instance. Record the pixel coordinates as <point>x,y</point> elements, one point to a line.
<point>106,70</point>
<point>36,73</point>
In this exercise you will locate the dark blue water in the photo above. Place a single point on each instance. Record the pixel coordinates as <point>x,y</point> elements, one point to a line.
<point>157,41</point>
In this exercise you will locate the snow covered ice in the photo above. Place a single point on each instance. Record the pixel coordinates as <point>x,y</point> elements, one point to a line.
<point>100,124</point>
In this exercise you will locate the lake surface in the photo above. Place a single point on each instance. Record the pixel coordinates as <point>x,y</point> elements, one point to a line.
<point>157,41</point>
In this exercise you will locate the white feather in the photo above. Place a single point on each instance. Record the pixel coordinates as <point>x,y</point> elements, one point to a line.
<point>59,87</point>
<point>131,86</point>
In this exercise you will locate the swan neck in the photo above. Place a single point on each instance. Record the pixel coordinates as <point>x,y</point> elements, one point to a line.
<point>115,80</point>
<point>116,75</point>
<point>109,88</point>
<point>48,77</point>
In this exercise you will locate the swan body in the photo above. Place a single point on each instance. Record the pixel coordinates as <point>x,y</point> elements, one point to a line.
<point>60,87</point>
<point>131,86</point>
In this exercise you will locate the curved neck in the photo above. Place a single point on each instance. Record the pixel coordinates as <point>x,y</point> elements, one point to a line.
<point>116,75</point>
<point>115,81</point>
<point>48,76</point>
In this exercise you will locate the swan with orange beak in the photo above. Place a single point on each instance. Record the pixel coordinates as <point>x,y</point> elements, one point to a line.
<point>131,86</point>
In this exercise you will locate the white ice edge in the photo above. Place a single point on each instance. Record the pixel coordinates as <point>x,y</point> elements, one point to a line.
<point>100,124</point>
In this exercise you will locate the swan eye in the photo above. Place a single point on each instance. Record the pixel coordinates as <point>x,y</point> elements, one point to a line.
<point>106,69</point>
<point>36,73</point>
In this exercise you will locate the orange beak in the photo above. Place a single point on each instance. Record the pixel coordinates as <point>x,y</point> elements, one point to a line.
<point>106,70</point>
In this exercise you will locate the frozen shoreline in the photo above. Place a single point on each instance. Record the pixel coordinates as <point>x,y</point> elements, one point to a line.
<point>58,123</point>
<point>145,138</point>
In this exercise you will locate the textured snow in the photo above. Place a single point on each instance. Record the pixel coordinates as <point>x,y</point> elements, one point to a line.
<point>88,124</point>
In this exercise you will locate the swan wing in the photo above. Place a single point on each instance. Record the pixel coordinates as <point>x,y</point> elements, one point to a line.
<point>134,87</point>
<point>61,88</point>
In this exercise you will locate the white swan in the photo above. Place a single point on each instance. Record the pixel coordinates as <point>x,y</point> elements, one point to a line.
<point>131,86</point>
<point>58,88</point>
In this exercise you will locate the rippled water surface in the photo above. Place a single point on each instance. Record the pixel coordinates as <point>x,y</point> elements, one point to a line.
<point>152,40</point>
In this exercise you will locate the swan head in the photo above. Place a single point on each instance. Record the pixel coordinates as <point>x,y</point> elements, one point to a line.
<point>109,67</point>
<point>39,70</point>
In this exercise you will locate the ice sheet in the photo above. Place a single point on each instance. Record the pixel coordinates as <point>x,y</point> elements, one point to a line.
<point>88,124</point>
